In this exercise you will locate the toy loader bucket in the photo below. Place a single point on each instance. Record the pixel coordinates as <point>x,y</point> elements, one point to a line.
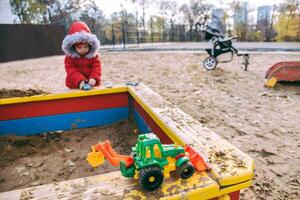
<point>95,159</point>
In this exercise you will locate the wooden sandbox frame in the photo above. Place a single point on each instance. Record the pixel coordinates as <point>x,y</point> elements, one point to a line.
<point>232,170</point>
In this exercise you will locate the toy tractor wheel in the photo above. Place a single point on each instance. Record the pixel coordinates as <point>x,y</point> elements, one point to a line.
<point>210,63</point>
<point>186,170</point>
<point>150,178</point>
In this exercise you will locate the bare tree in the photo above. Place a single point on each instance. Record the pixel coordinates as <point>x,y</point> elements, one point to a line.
<point>194,12</point>
<point>240,19</point>
<point>94,18</point>
<point>265,18</point>
<point>270,33</point>
<point>168,8</point>
<point>169,11</point>
<point>28,11</point>
<point>144,4</point>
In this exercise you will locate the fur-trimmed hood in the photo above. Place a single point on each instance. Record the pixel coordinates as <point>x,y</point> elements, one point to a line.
<point>80,32</point>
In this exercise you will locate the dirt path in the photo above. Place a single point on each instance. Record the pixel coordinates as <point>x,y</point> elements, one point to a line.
<point>262,122</point>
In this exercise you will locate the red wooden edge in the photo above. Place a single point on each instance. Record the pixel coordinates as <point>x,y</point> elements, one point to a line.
<point>151,123</point>
<point>63,106</point>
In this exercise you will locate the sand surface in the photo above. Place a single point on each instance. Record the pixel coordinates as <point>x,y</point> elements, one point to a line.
<point>263,123</point>
<point>58,156</point>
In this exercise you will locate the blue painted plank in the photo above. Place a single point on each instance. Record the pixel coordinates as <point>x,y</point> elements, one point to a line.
<point>142,125</point>
<point>68,121</point>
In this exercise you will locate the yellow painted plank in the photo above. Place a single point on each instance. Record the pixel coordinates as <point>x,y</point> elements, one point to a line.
<point>112,185</point>
<point>77,93</point>
<point>200,194</point>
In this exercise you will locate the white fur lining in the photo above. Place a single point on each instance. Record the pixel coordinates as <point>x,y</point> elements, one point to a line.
<point>82,36</point>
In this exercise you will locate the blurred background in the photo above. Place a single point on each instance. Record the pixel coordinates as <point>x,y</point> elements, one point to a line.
<point>122,22</point>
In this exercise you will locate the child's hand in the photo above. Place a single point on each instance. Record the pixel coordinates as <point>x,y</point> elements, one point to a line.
<point>92,82</point>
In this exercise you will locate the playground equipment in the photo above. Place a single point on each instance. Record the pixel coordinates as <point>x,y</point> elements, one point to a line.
<point>282,71</point>
<point>150,161</point>
<point>220,45</point>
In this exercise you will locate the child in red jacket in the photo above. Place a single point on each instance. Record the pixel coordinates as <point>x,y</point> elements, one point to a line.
<point>82,62</point>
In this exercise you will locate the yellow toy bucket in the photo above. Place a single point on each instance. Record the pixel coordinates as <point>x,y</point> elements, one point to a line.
<point>95,159</point>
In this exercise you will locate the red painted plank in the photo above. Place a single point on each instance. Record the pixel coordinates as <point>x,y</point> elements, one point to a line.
<point>235,195</point>
<point>62,106</point>
<point>151,123</point>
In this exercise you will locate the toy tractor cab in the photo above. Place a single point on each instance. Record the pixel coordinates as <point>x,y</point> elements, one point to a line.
<point>150,161</point>
<point>220,45</point>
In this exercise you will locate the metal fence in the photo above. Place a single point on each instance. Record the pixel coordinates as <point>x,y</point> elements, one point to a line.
<point>125,33</point>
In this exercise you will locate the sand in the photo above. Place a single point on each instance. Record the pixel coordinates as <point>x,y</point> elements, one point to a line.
<point>58,156</point>
<point>263,123</point>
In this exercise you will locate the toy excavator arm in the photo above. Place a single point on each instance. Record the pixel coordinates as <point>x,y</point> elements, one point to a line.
<point>104,150</point>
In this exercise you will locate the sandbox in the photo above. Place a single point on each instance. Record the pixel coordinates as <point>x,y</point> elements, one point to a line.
<point>232,170</point>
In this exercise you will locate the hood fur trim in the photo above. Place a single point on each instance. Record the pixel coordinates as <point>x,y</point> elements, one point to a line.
<point>82,36</point>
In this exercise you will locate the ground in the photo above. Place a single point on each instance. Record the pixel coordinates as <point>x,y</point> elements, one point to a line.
<point>262,122</point>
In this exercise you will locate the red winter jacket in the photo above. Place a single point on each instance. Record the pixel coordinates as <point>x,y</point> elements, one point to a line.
<point>82,69</point>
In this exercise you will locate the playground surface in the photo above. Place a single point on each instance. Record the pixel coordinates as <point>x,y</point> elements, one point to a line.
<point>232,102</point>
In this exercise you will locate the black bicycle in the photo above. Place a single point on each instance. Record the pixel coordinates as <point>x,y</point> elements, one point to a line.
<point>220,45</point>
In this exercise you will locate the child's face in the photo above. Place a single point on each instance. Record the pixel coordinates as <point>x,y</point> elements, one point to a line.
<point>82,49</point>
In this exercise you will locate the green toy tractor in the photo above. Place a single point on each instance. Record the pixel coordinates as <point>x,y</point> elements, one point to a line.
<point>154,161</point>
<point>149,163</point>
